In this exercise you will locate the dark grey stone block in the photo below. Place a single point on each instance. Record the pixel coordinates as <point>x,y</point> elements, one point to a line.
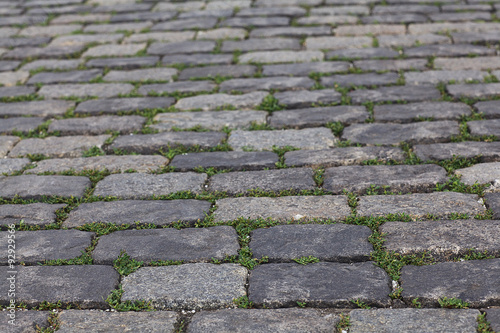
<point>35,187</point>
<point>6,65</point>
<point>233,160</point>
<point>490,109</point>
<point>405,113</point>
<point>257,44</point>
<point>123,63</point>
<point>493,203</point>
<point>291,11</point>
<point>49,52</point>
<point>116,105</point>
<point>213,71</point>
<point>291,31</point>
<point>304,69</point>
<point>393,19</point>
<point>480,90</point>
<point>181,86</point>
<point>315,117</point>
<point>306,98</point>
<point>484,127</point>
<point>201,23</point>
<point>277,83</point>
<point>97,125</point>
<point>486,151</point>
<point>37,108</point>
<point>456,50</point>
<point>25,321</point>
<point>257,22</point>
<point>11,165</point>
<point>368,53</point>
<point>370,79</point>
<point>493,317</point>
<point>198,59</point>
<point>181,47</point>
<point>16,91</point>
<point>391,65</point>
<point>31,214</point>
<point>395,94</point>
<point>65,77</point>
<point>21,124</point>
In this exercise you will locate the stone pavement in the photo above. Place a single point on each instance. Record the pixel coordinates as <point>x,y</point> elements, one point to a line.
<point>250,165</point>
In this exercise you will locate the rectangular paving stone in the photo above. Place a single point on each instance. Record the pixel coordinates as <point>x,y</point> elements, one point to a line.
<point>181,86</point>
<point>123,63</point>
<point>65,19</point>
<point>304,208</point>
<point>393,134</point>
<point>260,320</point>
<point>477,282</point>
<point>412,40</point>
<point>405,113</point>
<point>395,94</point>
<point>154,74</point>
<point>477,63</point>
<point>65,77</point>
<point>11,78</point>
<point>153,143</point>
<point>305,98</point>
<point>435,77</point>
<point>419,205</point>
<point>291,31</point>
<point>304,69</point>
<point>97,125</point>
<point>177,36</point>
<point>395,178</point>
<point>86,39</point>
<point>443,240</point>
<point>476,37</point>
<point>181,47</point>
<point>336,242</point>
<point>396,9</point>
<point>16,91</point>
<point>367,53</point>
<point>269,57</point>
<point>417,29</point>
<point>292,11</point>
<point>11,165</point>
<point>275,83</point>
<point>195,59</point>
<point>455,50</point>
<point>391,65</point>
<point>222,33</point>
<point>187,245</point>
<point>258,44</point>
<point>342,156</point>
<point>482,173</point>
<point>36,187</point>
<point>9,65</point>
<point>379,28</point>
<point>34,247</point>
<point>49,52</point>
<point>489,109</point>
<point>486,151</point>
<point>101,90</point>
<point>493,315</point>
<point>336,43</point>
<point>312,117</point>
<point>484,127</point>
<point>493,203</point>
<point>19,124</point>
<point>144,186</point>
<point>115,27</point>
<point>220,160</point>
<point>88,320</point>
<point>116,105</point>
<point>370,79</point>
<point>186,24</point>
<point>267,180</point>
<point>83,286</point>
<point>258,22</point>
<point>323,284</point>
<point>327,19</point>
<point>25,321</point>
<point>460,17</point>
<point>50,31</point>
<point>55,146</point>
<point>412,320</point>
<point>157,212</point>
<point>308,138</point>
<point>190,286</point>
<point>214,71</point>
<point>112,163</point>
<point>31,214</point>
<point>114,50</point>
<point>214,101</point>
<point>49,64</point>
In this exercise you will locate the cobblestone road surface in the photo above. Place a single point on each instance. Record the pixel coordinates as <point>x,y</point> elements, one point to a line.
<point>250,166</point>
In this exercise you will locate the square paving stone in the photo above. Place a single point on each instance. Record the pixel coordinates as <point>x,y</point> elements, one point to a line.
<point>19,124</point>
<point>443,240</point>
<point>190,286</point>
<point>312,117</point>
<point>370,79</point>
<point>97,125</point>
<point>38,246</point>
<point>486,151</point>
<point>214,101</point>
<point>474,281</point>
<point>31,214</point>
<point>157,212</point>
<point>220,160</point>
<point>489,109</point>
<point>493,317</point>
<point>55,146</point>
<point>493,203</point>
<point>395,178</point>
<point>101,90</point>
<point>336,242</point>
<point>112,163</point>
<point>405,113</point>
<point>275,83</point>
<point>482,173</point>
<point>395,94</point>
<point>37,108</point>
<point>304,208</point>
<point>308,138</point>
<point>305,98</point>
<point>260,320</point>
<point>72,321</point>
<point>304,69</point>
<point>83,286</point>
<point>420,205</point>
<point>11,165</point>
<point>123,63</point>
<point>323,284</point>
<point>242,182</point>
<point>484,127</point>
<point>65,77</point>
<point>6,144</point>
<point>342,156</point>
<point>25,321</point>
<point>187,245</point>
<point>212,120</point>
<point>481,90</point>
<point>144,186</point>
<point>154,143</point>
<point>36,187</point>
<point>393,134</point>
<point>413,320</point>
<point>214,71</point>
<point>116,105</point>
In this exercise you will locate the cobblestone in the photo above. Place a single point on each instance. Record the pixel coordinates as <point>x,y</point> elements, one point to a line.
<point>312,117</point>
<point>116,105</point>
<point>31,214</point>
<point>214,101</point>
<point>395,94</point>
<point>233,160</point>
<point>35,187</point>
<point>484,127</point>
<point>487,151</point>
<point>483,173</point>
<point>405,113</point>
<point>97,125</point>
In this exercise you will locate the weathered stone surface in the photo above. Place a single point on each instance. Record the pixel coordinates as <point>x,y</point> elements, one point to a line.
<point>233,160</point>
<point>181,47</point>
<point>391,65</point>
<point>412,40</point>
<point>366,80</point>
<point>336,242</point>
<point>113,163</point>
<point>291,31</point>
<point>308,138</point>
<point>486,151</point>
<point>20,124</point>
<point>187,245</point>
<point>413,320</point>
<point>493,317</point>
<point>258,22</point>
<point>88,321</point>
<point>482,173</point>
<point>10,79</point>
<point>36,108</point>
<point>304,69</point>
<point>222,33</point>
<point>49,52</point>
<point>259,320</point>
<point>292,11</point>
<point>210,102</point>
<point>281,56</point>
<point>393,134</point>
<point>116,27</point>
<point>313,117</point>
<point>417,29</point>
<point>65,77</point>
<point>435,77</point>
<point>6,144</point>
<point>484,127</point>
<point>156,212</point>
<point>155,74</point>
<point>477,63</point>
<point>10,165</point>
<point>123,63</point>
<point>442,50</point>
<point>153,143</point>
<point>368,53</point>
<point>420,205</point>
<point>101,90</point>
<point>490,109</point>
<point>275,83</point>
<point>405,113</point>
<point>26,321</point>
<point>212,120</point>
<point>31,214</point>
<point>306,208</point>
<point>9,65</point>
<point>194,59</point>
<point>81,39</point>
<point>305,98</point>
<point>214,71</point>
<point>493,203</point>
<point>477,283</point>
<point>395,178</point>
<point>84,286</point>
<point>185,24</point>
<point>189,286</point>
<point>476,37</point>
<point>35,187</point>
<point>142,186</point>
<point>327,19</point>
<point>55,146</point>
<point>378,28</point>
<point>177,36</point>
<point>395,94</point>
<point>321,284</point>
<point>116,105</point>
<point>336,43</point>
<point>97,125</point>
<point>38,246</point>
<point>16,91</point>
<point>257,44</point>
<point>114,50</point>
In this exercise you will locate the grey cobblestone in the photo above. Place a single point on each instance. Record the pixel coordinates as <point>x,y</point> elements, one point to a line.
<point>484,127</point>
<point>35,187</point>
<point>395,94</point>
<point>36,108</point>
<point>483,173</point>
<point>214,101</point>
<point>101,90</point>
<point>490,109</point>
<point>19,124</point>
<point>12,165</point>
<point>97,125</point>
<point>487,151</point>
<point>31,214</point>
<point>233,160</point>
<point>312,117</point>
<point>404,113</point>
<point>116,105</point>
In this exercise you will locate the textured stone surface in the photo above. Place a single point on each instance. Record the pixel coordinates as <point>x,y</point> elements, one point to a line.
<point>319,285</point>
<point>210,102</point>
<point>486,151</point>
<point>214,71</point>
<point>404,113</point>
<point>233,160</point>
<point>65,77</point>
<point>6,144</point>
<point>306,208</point>
<point>31,214</point>
<point>477,283</point>
<point>304,69</point>
<point>490,109</point>
<point>484,127</point>
<point>483,173</point>
<point>25,321</point>
<point>209,286</point>
<point>312,117</point>
<point>116,105</point>
<point>154,74</point>
<point>276,83</point>
<point>123,63</point>
<point>493,203</point>
<point>474,90</point>
<point>97,125</point>
<point>35,187</point>
<point>391,65</point>
<point>37,108</point>
<point>281,56</point>
<point>359,80</point>
<point>395,94</point>
<point>101,90</point>
<point>183,87</point>
<point>305,98</point>
<point>420,205</point>
<point>435,77</point>
<point>11,165</point>
<point>21,124</point>
<point>493,317</point>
